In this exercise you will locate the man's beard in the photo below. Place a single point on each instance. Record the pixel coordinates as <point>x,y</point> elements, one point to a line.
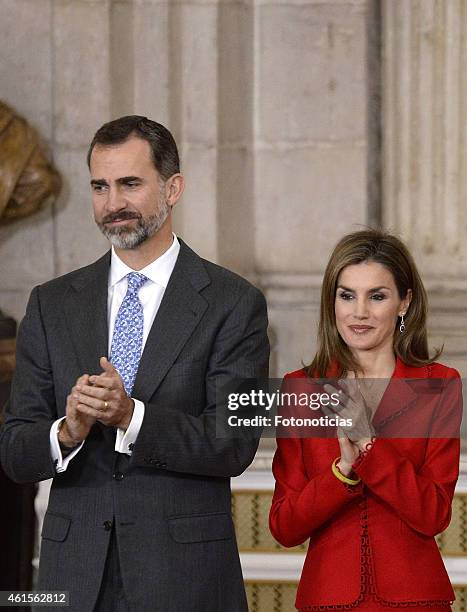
<point>126,237</point>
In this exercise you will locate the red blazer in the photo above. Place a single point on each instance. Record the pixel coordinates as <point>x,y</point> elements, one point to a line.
<point>403,501</point>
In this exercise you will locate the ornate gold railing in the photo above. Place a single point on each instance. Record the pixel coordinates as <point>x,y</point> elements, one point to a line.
<point>250,509</point>
<point>280,597</point>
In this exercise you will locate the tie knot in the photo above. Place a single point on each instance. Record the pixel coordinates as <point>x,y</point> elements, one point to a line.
<point>135,281</point>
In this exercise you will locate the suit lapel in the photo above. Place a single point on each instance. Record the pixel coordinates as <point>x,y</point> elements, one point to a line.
<point>399,395</point>
<point>86,315</point>
<point>180,312</point>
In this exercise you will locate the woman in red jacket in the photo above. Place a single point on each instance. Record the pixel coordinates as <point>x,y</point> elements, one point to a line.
<point>372,506</point>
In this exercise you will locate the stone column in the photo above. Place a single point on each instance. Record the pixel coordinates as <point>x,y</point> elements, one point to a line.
<point>236,155</point>
<point>310,184</point>
<point>425,153</point>
<point>80,103</point>
<point>193,115</point>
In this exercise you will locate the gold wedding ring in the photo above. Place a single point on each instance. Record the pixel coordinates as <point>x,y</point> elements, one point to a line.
<point>106,405</point>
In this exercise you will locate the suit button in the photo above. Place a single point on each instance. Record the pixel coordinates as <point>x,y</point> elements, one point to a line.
<point>118,476</point>
<point>131,446</point>
<point>107,525</point>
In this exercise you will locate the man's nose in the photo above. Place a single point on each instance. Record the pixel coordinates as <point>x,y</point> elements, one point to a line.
<point>115,200</point>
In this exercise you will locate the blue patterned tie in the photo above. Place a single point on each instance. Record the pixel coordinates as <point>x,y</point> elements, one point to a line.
<point>127,340</point>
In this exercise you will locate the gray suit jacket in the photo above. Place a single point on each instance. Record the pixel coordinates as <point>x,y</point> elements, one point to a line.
<point>170,502</point>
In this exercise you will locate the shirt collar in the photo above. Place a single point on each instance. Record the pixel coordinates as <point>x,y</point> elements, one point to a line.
<point>158,271</point>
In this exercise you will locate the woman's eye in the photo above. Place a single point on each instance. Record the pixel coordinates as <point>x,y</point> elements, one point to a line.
<point>345,295</point>
<point>378,297</point>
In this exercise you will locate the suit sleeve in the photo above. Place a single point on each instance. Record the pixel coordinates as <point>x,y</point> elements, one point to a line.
<point>301,505</point>
<point>30,412</point>
<point>421,497</point>
<point>174,440</point>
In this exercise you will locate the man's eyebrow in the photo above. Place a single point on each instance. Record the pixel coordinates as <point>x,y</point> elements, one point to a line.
<point>98,182</point>
<point>128,179</point>
<point>122,181</point>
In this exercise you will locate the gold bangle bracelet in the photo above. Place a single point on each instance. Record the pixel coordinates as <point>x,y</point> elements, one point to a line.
<point>338,474</point>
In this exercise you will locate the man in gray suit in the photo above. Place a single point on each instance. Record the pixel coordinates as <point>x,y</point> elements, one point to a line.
<point>114,397</point>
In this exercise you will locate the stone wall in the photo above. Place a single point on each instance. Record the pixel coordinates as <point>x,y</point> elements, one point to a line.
<point>267,100</point>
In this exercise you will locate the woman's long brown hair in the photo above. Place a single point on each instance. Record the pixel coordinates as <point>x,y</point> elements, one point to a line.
<point>383,248</point>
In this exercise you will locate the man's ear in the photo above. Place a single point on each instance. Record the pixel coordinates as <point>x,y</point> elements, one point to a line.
<point>174,187</point>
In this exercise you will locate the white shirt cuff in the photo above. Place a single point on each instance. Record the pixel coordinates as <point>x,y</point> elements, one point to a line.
<point>61,464</point>
<point>125,439</point>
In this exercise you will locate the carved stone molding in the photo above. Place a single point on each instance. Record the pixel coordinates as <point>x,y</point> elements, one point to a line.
<point>424,134</point>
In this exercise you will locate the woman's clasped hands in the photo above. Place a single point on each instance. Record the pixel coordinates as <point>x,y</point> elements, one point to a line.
<point>357,411</point>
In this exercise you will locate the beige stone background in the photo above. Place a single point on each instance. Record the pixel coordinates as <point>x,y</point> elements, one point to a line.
<point>297,121</point>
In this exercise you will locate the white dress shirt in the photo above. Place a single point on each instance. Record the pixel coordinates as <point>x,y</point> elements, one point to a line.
<point>150,295</point>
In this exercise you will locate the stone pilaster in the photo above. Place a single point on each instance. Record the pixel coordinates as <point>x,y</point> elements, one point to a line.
<point>425,152</point>
<point>310,148</point>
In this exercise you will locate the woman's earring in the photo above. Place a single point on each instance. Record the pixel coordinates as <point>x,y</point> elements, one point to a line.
<point>402,325</point>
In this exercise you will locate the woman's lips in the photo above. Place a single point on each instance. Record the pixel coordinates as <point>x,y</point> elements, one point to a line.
<point>360,329</point>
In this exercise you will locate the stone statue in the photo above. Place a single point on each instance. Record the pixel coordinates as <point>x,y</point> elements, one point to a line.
<point>27,181</point>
